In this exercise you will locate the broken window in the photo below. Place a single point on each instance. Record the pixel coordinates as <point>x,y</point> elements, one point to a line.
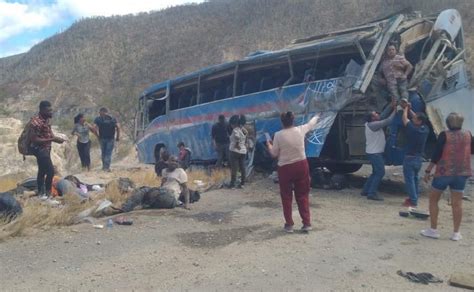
<point>156,105</point>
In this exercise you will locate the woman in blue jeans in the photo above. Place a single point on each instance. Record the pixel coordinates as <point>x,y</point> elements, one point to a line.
<point>453,167</point>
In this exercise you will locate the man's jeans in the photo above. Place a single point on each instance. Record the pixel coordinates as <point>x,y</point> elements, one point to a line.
<point>106,147</point>
<point>378,171</point>
<point>411,167</point>
<point>222,153</point>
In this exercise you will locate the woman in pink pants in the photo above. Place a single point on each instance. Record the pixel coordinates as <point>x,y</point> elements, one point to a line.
<point>293,169</point>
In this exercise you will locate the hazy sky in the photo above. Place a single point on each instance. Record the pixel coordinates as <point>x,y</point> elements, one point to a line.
<point>24,23</point>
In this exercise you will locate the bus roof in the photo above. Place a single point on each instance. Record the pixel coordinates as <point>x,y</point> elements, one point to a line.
<point>328,41</point>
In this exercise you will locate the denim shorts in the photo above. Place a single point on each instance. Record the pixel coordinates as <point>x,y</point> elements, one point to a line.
<point>455,183</point>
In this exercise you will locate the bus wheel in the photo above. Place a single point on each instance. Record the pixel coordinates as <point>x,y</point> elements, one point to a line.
<point>343,167</point>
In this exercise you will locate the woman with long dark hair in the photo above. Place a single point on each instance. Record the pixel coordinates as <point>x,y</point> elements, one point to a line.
<point>81,130</point>
<point>293,168</point>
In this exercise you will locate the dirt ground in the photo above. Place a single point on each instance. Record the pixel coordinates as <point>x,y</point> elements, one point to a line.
<point>233,240</point>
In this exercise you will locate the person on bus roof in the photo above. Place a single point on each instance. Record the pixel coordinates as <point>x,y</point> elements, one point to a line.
<point>395,70</point>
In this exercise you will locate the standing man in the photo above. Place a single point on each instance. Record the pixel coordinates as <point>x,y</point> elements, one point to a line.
<point>417,132</point>
<point>220,140</point>
<point>106,126</point>
<point>374,148</point>
<point>41,137</point>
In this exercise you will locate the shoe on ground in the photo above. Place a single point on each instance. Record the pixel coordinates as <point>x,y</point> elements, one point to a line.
<point>408,203</point>
<point>288,228</point>
<point>232,187</point>
<point>306,228</point>
<point>456,236</point>
<point>429,232</point>
<point>241,186</point>
<point>43,197</point>
<point>374,198</point>
<point>363,194</point>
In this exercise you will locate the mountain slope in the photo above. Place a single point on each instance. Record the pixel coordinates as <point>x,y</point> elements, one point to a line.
<point>110,60</point>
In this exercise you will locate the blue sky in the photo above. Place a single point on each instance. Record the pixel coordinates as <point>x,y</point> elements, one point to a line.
<point>24,23</point>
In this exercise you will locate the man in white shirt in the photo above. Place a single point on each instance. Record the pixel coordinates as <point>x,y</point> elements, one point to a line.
<point>374,148</point>
<point>174,179</point>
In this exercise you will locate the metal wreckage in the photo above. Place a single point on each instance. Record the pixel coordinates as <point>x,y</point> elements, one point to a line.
<point>334,74</point>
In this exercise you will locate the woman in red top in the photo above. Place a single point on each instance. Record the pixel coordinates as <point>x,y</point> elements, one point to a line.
<point>453,167</point>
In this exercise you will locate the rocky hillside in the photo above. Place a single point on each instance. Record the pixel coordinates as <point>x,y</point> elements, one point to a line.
<point>110,60</point>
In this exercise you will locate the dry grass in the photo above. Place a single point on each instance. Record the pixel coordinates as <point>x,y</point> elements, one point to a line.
<point>7,183</point>
<point>39,216</point>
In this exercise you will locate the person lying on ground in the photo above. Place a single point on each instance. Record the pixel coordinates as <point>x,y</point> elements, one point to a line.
<point>10,208</point>
<point>173,189</point>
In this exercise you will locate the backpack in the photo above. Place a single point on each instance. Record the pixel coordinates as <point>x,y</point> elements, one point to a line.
<point>24,141</point>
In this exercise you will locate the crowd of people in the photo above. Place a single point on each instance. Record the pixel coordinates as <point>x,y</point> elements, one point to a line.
<point>230,141</point>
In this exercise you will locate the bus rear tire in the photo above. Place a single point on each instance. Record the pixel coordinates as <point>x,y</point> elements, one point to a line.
<point>343,167</point>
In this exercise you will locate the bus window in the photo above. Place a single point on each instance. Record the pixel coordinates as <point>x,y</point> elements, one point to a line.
<point>156,107</point>
<point>216,89</point>
<point>183,97</point>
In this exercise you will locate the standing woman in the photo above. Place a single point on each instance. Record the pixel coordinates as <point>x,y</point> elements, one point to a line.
<point>452,157</point>
<point>237,152</point>
<point>81,130</point>
<point>293,169</point>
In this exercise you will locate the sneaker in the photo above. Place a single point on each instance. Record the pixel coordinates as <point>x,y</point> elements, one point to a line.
<point>288,228</point>
<point>43,197</point>
<point>52,202</point>
<point>231,187</point>
<point>363,194</point>
<point>306,228</point>
<point>374,197</point>
<point>241,186</point>
<point>432,233</point>
<point>456,236</point>
<point>408,203</point>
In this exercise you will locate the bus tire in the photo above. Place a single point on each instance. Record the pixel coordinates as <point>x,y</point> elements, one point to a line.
<point>343,167</point>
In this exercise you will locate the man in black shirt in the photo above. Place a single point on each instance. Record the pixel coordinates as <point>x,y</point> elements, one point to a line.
<point>220,140</point>
<point>106,126</point>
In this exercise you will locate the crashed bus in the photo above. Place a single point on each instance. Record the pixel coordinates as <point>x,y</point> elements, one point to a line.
<point>334,74</point>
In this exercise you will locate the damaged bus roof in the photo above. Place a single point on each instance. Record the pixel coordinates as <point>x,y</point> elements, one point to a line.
<point>327,42</point>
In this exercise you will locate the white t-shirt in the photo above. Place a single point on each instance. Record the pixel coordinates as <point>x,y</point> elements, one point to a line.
<point>174,180</point>
<point>288,144</point>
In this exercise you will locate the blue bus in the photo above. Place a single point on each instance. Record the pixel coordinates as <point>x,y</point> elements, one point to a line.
<point>335,75</point>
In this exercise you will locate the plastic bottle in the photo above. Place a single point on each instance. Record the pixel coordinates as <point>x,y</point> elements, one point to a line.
<point>110,224</point>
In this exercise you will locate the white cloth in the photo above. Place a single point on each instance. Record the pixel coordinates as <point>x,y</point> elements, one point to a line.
<point>289,145</point>
<point>174,180</point>
<point>374,140</point>
<point>238,137</point>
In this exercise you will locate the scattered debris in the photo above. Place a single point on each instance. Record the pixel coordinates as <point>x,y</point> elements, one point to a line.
<point>122,220</point>
<point>422,278</point>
